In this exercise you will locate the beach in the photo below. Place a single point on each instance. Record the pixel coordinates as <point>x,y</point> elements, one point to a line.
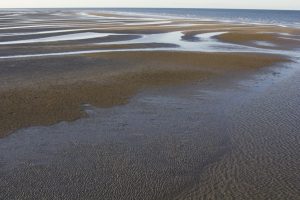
<point>106,105</point>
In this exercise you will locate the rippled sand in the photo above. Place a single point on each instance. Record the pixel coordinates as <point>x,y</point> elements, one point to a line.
<point>126,107</point>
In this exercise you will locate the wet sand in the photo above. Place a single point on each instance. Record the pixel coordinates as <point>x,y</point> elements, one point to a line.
<point>162,111</point>
<point>52,102</point>
<point>271,40</point>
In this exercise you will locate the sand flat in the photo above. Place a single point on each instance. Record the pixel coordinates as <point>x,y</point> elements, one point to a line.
<point>162,109</point>
<point>52,102</point>
<point>251,39</point>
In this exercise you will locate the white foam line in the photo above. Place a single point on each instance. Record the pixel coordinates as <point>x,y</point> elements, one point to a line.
<point>133,50</point>
<point>147,23</point>
<point>180,25</point>
<point>210,35</point>
<point>32,26</point>
<point>7,18</point>
<point>288,38</point>
<point>122,17</point>
<point>91,16</point>
<point>71,53</point>
<point>68,37</point>
<point>47,32</point>
<point>264,43</point>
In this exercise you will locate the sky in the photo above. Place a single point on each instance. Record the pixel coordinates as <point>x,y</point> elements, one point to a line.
<point>245,4</point>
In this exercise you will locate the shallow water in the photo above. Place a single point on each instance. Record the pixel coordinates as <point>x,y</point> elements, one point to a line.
<point>206,43</point>
<point>276,17</point>
<point>85,21</point>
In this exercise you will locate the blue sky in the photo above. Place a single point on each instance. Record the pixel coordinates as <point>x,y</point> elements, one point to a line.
<point>256,4</point>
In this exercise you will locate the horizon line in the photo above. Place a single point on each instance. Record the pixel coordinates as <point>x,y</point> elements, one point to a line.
<point>270,9</point>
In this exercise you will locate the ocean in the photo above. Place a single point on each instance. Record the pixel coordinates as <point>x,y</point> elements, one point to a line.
<point>289,18</point>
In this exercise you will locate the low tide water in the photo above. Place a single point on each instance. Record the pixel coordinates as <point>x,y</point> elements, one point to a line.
<point>274,17</point>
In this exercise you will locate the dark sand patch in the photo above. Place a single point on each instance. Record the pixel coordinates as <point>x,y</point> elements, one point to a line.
<point>251,38</point>
<point>48,101</point>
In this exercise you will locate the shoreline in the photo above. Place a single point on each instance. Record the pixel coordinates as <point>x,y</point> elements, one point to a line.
<point>174,16</point>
